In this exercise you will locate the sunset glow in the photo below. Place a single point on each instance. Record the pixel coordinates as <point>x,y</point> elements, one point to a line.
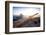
<point>25,11</point>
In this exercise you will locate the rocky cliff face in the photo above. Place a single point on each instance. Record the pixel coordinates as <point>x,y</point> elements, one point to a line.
<point>27,22</point>
<point>35,22</point>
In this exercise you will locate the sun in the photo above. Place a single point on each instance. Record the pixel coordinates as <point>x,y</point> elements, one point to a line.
<point>26,11</point>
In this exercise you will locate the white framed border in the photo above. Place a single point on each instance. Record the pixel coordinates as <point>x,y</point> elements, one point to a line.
<point>11,29</point>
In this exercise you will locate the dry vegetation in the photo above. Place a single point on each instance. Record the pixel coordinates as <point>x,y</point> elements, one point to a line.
<point>30,22</point>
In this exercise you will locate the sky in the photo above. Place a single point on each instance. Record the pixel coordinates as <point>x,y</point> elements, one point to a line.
<point>27,11</point>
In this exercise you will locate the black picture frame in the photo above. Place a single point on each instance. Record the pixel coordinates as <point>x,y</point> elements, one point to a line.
<point>7,16</point>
